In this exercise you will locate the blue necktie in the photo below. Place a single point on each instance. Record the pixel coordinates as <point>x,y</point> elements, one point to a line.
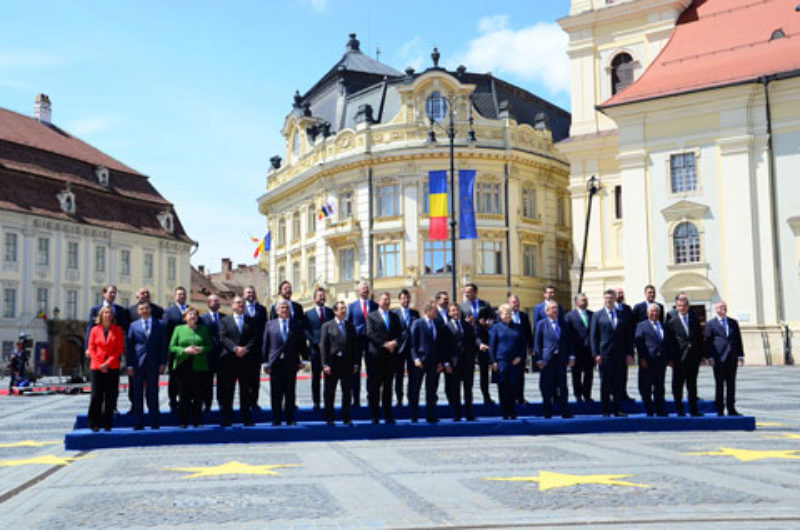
<point>475,309</point>
<point>385,319</point>
<point>284,332</point>
<point>239,322</point>
<point>146,327</point>
<point>556,330</point>
<point>408,316</point>
<point>341,328</point>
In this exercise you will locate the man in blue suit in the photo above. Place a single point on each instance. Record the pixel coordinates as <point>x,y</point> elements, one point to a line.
<point>403,360</point>
<point>315,318</point>
<point>481,311</point>
<point>428,339</point>
<point>211,320</point>
<point>725,353</point>
<point>577,322</point>
<point>539,313</point>
<point>612,348</point>
<point>173,317</point>
<point>146,360</point>
<point>520,318</point>
<point>284,340</point>
<point>357,315</point>
<point>553,353</point>
<point>257,313</point>
<point>640,310</point>
<point>652,346</point>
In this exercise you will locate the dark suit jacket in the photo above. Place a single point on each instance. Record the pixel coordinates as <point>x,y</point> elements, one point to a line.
<point>214,332</point>
<point>143,352</point>
<point>721,347</point>
<point>405,340</point>
<point>173,317</point>
<point>260,319</point>
<point>230,338</point>
<point>314,325</point>
<point>685,348</point>
<point>460,352</point>
<point>527,330</point>
<point>539,313</point>
<point>378,334</point>
<point>550,348</point>
<point>156,311</point>
<point>332,342</point>
<point>484,309</point>
<point>640,311</point>
<point>506,343</point>
<point>424,346</point>
<point>649,344</point>
<point>296,314</point>
<point>610,343</point>
<point>356,317</point>
<point>579,333</point>
<point>121,315</point>
<point>274,347</point>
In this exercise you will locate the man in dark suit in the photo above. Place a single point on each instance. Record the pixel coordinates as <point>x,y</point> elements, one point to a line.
<point>357,315</point>
<point>725,353</point>
<point>337,347</point>
<point>459,366</point>
<point>211,320</point>
<point>284,340</point>
<point>553,353</point>
<point>173,317</point>
<point>428,341</point>
<point>258,313</point>
<point>384,333</point>
<point>403,360</point>
<point>640,310</point>
<point>549,294</point>
<point>481,311</point>
<point>146,360</point>
<point>443,307</point>
<point>611,346</point>
<point>238,336</point>
<point>577,322</point>
<point>687,347</point>
<point>627,313</point>
<point>672,313</point>
<point>652,347</point>
<point>520,318</point>
<point>156,311</point>
<point>315,318</point>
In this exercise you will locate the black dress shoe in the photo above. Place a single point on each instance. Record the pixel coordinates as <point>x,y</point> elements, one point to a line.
<point>589,400</point>
<point>348,422</point>
<point>389,421</point>
<point>513,416</point>
<point>138,428</point>
<point>457,419</point>
<point>329,422</point>
<point>606,415</point>
<point>276,423</point>
<point>375,421</point>
<point>291,422</point>
<point>489,401</point>
<point>249,424</point>
<point>184,426</point>
<point>681,414</point>
<point>548,416</point>
<point>155,427</point>
<point>471,418</point>
<point>432,420</point>
<point>95,429</point>
<point>107,429</point>
<point>733,413</point>
<point>720,414</point>
<point>662,414</point>
<point>696,414</point>
<point>567,415</point>
<point>620,415</point>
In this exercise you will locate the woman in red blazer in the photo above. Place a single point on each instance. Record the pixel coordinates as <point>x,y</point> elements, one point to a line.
<point>106,344</point>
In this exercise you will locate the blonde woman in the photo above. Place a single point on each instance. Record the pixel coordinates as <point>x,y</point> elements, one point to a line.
<point>106,344</point>
<point>189,346</point>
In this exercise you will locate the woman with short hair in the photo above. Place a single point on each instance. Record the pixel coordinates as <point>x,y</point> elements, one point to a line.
<point>106,344</point>
<point>190,345</point>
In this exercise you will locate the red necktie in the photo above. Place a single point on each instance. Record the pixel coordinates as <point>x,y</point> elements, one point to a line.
<point>321,315</point>
<point>364,308</point>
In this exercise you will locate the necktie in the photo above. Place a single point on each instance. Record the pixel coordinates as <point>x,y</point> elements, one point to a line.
<point>341,327</point>
<point>407,314</point>
<point>284,331</point>
<point>364,308</point>
<point>556,330</point>
<point>685,319</point>
<point>613,316</point>
<point>725,325</point>
<point>321,315</point>
<point>516,317</point>
<point>146,327</point>
<point>432,328</point>
<point>475,309</point>
<point>251,310</point>
<point>659,331</point>
<point>385,318</point>
<point>444,315</point>
<point>584,318</point>
<point>239,322</point>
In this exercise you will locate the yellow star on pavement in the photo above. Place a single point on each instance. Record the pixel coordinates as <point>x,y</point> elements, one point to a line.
<point>784,436</point>
<point>50,460</point>
<point>550,480</point>
<point>748,455</point>
<point>760,424</point>
<point>231,468</point>
<point>28,443</point>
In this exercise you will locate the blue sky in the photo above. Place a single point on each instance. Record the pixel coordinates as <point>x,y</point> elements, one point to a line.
<point>194,93</point>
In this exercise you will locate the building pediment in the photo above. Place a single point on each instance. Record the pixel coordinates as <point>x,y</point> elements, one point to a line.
<point>682,210</point>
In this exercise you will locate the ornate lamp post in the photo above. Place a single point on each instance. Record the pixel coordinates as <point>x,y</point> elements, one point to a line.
<point>592,187</point>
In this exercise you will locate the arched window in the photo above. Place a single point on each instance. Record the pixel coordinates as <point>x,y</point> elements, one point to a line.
<point>621,72</point>
<point>686,239</point>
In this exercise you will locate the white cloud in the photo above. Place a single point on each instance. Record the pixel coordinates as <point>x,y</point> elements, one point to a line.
<point>535,53</point>
<point>28,59</point>
<point>91,125</point>
<point>411,53</point>
<point>316,5</point>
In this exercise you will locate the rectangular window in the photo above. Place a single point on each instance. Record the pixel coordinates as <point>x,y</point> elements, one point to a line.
<point>125,262</point>
<point>296,226</point>
<point>171,269</point>
<point>345,205</point>
<point>100,259</point>
<point>281,232</point>
<point>311,272</point>
<point>72,304</point>
<point>561,211</point>
<point>9,303</point>
<point>346,265</point>
<point>11,248</point>
<point>488,198</point>
<point>281,273</point>
<point>529,203</point>
<point>42,299</point>
<point>43,252</point>
<point>683,172</point>
<point>72,254</point>
<point>491,254</point>
<point>148,266</point>
<point>438,257</point>
<point>617,202</point>
<point>530,259</point>
<point>296,274</point>
<point>311,220</point>
<point>389,261</point>
<point>563,266</point>
<point>98,298</point>
<point>426,200</point>
<point>8,347</point>
<point>388,200</point>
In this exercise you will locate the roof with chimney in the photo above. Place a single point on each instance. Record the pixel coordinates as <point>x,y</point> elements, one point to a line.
<point>40,161</point>
<point>718,43</point>
<point>357,80</point>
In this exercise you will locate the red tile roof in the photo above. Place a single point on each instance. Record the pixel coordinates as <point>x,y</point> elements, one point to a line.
<point>717,43</point>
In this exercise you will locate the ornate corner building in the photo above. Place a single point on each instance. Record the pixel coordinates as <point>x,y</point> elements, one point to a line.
<point>686,112</point>
<point>360,144</point>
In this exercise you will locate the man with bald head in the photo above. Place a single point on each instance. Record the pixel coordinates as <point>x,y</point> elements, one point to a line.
<point>725,353</point>
<point>238,337</point>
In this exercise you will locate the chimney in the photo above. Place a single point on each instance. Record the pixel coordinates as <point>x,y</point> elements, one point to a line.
<point>227,264</point>
<point>42,110</point>
<point>201,269</point>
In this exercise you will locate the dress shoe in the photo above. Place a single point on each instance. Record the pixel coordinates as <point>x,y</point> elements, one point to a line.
<point>505,417</point>
<point>489,401</point>
<point>471,418</point>
<point>513,416</point>
<point>316,406</point>
<point>291,422</point>
<point>681,414</point>
<point>589,400</point>
<point>720,414</point>
<point>249,424</point>
<point>414,420</point>
<point>696,414</point>
<point>255,408</point>
<point>567,415</point>
<point>649,414</point>
<point>733,412</point>
<point>95,429</point>
<point>107,429</point>
<point>375,421</point>
<point>348,422</point>
<point>389,421</point>
<point>276,423</point>
<point>432,420</point>
<point>620,415</point>
<point>662,414</point>
<point>606,415</point>
<point>329,422</point>
<point>225,424</point>
<point>548,416</point>
<point>457,419</point>
<point>138,428</point>
<point>155,427</point>
<point>184,426</point>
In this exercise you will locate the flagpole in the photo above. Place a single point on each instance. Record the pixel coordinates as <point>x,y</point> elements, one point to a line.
<point>452,134</point>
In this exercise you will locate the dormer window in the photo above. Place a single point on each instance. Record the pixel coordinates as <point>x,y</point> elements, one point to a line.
<point>167,221</point>
<point>101,173</point>
<point>296,147</point>
<point>67,201</point>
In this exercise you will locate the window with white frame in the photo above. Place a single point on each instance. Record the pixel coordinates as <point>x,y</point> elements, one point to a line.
<point>98,298</point>
<point>9,302</point>
<point>311,272</point>
<point>345,205</point>
<point>491,256</point>
<point>563,266</point>
<point>683,172</point>
<point>296,274</point>
<point>72,304</point>
<point>281,273</point>
<point>438,257</point>
<point>388,200</point>
<point>43,252</point>
<point>148,266</point>
<point>389,260</point>
<point>100,259</point>
<point>530,259</point>
<point>281,232</point>
<point>529,203</point>
<point>42,299</point>
<point>296,146</point>
<point>488,197</point>
<point>72,254</point>
<point>11,243</point>
<point>124,262</point>
<point>172,266</point>
<point>296,226</point>
<point>686,240</point>
<point>426,198</point>
<point>311,219</point>
<point>346,258</point>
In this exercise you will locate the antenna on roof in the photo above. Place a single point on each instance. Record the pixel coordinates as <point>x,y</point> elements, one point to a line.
<point>378,53</point>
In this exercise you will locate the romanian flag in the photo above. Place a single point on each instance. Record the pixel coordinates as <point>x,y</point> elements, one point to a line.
<point>437,205</point>
<point>263,245</point>
<point>326,210</point>
<point>41,314</point>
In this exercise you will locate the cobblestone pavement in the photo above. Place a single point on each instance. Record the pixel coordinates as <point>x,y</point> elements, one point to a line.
<point>741,479</point>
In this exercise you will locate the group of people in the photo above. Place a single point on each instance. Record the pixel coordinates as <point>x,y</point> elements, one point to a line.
<point>443,338</point>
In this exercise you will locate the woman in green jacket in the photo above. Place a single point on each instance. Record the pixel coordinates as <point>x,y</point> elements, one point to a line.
<point>190,344</point>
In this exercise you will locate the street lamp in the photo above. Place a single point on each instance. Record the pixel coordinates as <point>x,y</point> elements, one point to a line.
<point>592,188</point>
<point>436,107</point>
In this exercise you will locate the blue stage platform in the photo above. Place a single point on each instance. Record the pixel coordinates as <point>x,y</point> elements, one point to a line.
<point>311,428</point>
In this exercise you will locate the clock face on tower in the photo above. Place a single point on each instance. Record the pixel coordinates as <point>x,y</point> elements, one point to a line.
<point>436,106</point>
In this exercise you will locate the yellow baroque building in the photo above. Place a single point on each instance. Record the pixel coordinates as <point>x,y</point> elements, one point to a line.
<point>358,142</point>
